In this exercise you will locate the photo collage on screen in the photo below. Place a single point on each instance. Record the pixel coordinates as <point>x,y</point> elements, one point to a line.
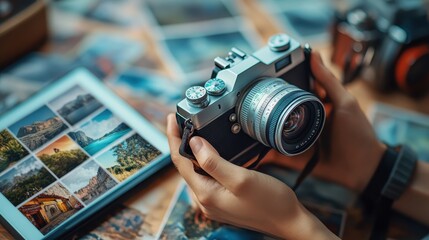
<point>64,155</point>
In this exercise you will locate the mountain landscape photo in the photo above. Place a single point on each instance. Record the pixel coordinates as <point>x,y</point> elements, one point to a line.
<point>62,156</point>
<point>129,156</point>
<point>25,180</point>
<point>99,132</point>
<point>75,105</point>
<point>88,182</point>
<point>38,128</point>
<point>11,151</point>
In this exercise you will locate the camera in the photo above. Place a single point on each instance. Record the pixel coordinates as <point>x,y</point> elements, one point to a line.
<point>386,42</point>
<point>254,101</point>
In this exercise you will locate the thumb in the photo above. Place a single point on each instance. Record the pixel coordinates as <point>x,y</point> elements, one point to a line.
<point>224,172</point>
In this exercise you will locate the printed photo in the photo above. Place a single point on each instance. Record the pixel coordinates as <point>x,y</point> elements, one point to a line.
<point>75,105</point>
<point>151,94</point>
<point>196,53</point>
<point>141,216</point>
<point>39,69</point>
<point>23,181</point>
<point>126,158</point>
<point>50,208</point>
<point>62,156</point>
<point>109,51</point>
<point>309,21</point>
<point>188,11</point>
<point>186,222</point>
<point>88,182</point>
<point>11,151</point>
<point>125,13</point>
<point>38,128</point>
<point>121,223</point>
<point>99,132</point>
<point>397,126</point>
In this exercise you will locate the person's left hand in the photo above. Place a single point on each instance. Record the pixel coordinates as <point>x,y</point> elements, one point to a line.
<point>242,197</point>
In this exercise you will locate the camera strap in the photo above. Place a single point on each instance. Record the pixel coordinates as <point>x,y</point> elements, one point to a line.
<point>308,167</point>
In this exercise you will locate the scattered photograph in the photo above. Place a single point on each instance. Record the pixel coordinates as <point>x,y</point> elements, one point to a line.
<point>99,132</point>
<point>11,151</point>
<point>141,216</point>
<point>188,11</point>
<point>309,21</point>
<point>396,126</point>
<point>75,105</point>
<point>50,208</point>
<point>122,223</point>
<point>62,156</point>
<point>151,94</point>
<point>109,51</point>
<point>23,181</point>
<point>88,182</point>
<point>196,53</point>
<point>39,69</point>
<point>125,13</point>
<point>38,128</point>
<point>187,222</point>
<point>129,156</point>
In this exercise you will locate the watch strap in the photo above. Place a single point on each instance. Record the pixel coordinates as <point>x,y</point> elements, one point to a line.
<point>401,173</point>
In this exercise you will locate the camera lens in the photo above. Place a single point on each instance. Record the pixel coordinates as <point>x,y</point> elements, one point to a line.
<point>281,115</point>
<point>294,123</point>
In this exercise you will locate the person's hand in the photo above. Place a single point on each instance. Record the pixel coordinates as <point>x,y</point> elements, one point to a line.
<point>242,197</point>
<point>349,150</point>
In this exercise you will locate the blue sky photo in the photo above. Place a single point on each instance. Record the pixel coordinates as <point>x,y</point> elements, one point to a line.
<point>100,125</point>
<point>41,114</point>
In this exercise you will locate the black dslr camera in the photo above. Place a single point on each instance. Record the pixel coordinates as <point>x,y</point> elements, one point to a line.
<point>386,42</point>
<point>254,101</point>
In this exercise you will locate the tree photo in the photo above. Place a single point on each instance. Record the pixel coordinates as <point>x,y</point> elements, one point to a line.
<point>11,151</point>
<point>128,157</point>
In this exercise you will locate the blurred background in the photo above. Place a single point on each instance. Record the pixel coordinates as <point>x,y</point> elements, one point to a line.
<point>150,51</point>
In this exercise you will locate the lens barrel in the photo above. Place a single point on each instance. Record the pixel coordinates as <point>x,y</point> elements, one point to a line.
<point>281,115</point>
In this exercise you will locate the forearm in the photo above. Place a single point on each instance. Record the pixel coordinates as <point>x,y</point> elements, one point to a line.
<point>307,226</point>
<point>414,201</point>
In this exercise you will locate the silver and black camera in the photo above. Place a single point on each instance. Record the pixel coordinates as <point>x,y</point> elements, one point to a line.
<point>255,101</point>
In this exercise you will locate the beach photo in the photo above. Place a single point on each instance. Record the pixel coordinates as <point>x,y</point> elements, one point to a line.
<point>23,181</point>
<point>11,151</point>
<point>62,156</point>
<point>99,132</point>
<point>88,182</point>
<point>38,127</point>
<point>50,208</point>
<point>129,156</point>
<point>75,105</point>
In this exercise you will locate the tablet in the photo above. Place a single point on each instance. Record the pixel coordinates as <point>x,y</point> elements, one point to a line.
<point>68,152</point>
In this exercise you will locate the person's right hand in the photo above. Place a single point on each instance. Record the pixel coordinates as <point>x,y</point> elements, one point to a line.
<point>349,150</point>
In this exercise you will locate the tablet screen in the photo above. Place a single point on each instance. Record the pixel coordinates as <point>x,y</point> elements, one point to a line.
<point>66,153</point>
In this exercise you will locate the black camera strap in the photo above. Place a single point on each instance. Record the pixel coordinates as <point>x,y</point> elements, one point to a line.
<point>308,167</point>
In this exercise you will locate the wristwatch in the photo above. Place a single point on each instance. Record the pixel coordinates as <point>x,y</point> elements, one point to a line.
<point>392,175</point>
<point>389,182</point>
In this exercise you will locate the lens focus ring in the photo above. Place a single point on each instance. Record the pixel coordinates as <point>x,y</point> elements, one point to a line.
<point>265,107</point>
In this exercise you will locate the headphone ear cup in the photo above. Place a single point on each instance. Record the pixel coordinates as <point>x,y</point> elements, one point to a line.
<point>412,70</point>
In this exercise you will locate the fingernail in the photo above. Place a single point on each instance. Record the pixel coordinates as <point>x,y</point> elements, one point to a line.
<point>195,144</point>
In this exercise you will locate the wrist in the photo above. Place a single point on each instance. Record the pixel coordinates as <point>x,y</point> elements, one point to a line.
<point>305,225</point>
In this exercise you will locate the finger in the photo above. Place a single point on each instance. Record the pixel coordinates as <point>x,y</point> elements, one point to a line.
<point>227,174</point>
<point>327,80</point>
<point>183,165</point>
